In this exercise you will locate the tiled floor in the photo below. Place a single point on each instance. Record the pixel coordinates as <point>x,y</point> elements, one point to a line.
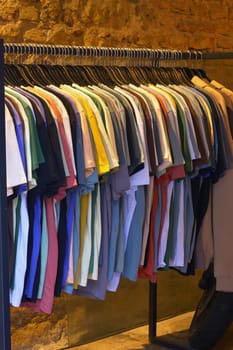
<point>137,339</point>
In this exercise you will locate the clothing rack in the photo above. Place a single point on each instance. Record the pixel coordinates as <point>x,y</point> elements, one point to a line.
<point>129,53</point>
<point>140,56</point>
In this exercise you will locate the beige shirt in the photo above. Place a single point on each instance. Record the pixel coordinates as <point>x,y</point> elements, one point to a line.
<point>89,160</point>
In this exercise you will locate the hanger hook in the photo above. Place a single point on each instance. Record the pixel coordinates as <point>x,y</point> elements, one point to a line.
<point>201,55</point>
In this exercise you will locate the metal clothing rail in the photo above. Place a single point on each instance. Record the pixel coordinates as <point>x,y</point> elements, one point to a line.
<point>79,51</point>
<point>91,51</point>
<point>95,51</point>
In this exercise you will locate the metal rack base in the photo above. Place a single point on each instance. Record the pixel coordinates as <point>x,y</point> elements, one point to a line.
<point>174,341</point>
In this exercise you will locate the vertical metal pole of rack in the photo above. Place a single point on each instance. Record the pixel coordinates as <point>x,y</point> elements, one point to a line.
<point>5,338</point>
<point>171,341</point>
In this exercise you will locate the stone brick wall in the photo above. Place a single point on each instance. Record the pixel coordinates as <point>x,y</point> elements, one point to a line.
<point>183,24</point>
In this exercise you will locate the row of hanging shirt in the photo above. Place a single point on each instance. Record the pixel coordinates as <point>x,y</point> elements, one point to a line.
<point>106,182</point>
